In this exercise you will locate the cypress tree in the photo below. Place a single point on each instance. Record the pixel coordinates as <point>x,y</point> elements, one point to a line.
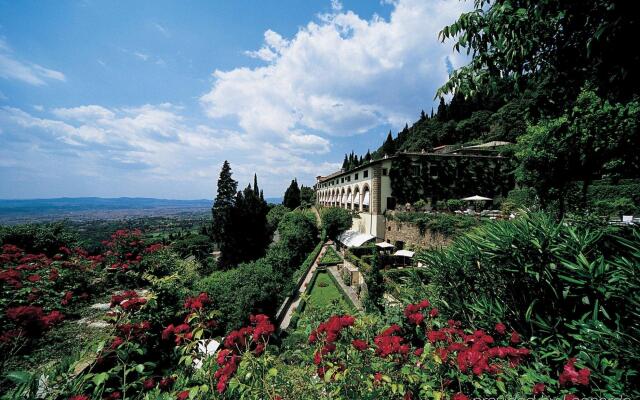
<point>367,157</point>
<point>292,196</point>
<point>389,146</point>
<point>224,202</point>
<point>255,185</point>
<point>442,110</point>
<point>345,163</point>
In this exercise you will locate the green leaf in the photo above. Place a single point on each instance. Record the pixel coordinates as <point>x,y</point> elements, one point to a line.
<point>19,377</point>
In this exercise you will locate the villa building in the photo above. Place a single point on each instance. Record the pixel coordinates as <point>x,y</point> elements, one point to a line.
<point>367,189</point>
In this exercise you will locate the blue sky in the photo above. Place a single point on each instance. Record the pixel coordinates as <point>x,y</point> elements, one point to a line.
<point>147,98</point>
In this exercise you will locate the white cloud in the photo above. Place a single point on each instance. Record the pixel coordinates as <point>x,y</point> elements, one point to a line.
<point>155,142</point>
<point>12,68</point>
<point>162,29</point>
<point>341,75</point>
<point>142,56</point>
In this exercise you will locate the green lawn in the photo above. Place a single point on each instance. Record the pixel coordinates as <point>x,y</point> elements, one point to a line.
<point>324,291</point>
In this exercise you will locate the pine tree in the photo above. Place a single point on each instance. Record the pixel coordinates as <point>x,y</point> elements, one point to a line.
<point>223,203</point>
<point>292,196</point>
<point>431,113</point>
<point>423,116</point>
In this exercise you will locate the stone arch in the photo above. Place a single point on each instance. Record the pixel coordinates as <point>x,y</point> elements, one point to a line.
<point>357,200</point>
<point>349,198</point>
<point>366,198</point>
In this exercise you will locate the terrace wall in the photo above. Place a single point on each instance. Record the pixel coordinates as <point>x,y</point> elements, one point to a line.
<point>410,234</point>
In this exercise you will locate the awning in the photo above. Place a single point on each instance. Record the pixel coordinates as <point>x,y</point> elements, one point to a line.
<point>354,239</point>
<point>365,201</point>
<point>404,253</point>
<point>385,245</point>
<point>344,198</point>
<point>349,197</point>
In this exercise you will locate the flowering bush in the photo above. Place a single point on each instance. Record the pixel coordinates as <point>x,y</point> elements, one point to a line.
<point>38,291</point>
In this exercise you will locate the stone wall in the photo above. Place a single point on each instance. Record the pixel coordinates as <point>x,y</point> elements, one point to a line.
<point>410,234</point>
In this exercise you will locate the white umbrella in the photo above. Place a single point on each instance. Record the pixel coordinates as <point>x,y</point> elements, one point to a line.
<point>476,198</point>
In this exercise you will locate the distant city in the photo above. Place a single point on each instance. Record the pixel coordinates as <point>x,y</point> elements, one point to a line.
<point>96,208</point>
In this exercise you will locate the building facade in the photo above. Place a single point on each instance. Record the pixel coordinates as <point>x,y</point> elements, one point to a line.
<point>367,189</point>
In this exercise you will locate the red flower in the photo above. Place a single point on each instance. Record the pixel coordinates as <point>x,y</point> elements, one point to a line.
<point>515,338</point>
<point>167,332</point>
<point>79,397</point>
<point>149,384</point>
<point>116,343</point>
<point>418,352</point>
<point>434,313</point>
<point>460,396</point>
<point>34,278</point>
<point>359,344</point>
<point>570,375</point>
<point>571,396</point>
<point>416,318</point>
<point>196,303</point>
<point>538,388</point>
<point>166,383</point>
<point>54,317</point>
<point>184,395</point>
<point>501,328</point>
<point>377,377</point>
<point>67,298</point>
<point>113,396</point>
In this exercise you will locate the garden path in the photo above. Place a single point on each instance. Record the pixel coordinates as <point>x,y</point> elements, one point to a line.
<point>286,320</point>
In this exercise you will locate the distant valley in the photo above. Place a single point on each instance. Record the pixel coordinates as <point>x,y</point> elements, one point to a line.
<point>92,208</point>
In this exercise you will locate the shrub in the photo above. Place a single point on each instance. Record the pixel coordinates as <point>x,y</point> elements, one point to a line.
<point>454,204</point>
<point>573,288</point>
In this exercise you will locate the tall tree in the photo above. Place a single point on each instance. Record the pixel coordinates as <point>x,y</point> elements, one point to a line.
<point>375,284</point>
<point>345,163</point>
<point>223,202</point>
<point>292,195</point>
<point>389,146</point>
<point>442,110</point>
<point>307,196</point>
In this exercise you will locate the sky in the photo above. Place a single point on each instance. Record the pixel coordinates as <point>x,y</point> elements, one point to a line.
<point>148,98</point>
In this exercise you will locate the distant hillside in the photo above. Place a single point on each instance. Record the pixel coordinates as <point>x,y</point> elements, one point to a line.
<point>83,208</point>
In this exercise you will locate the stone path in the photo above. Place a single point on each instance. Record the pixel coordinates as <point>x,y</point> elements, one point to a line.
<point>286,320</point>
<point>346,289</point>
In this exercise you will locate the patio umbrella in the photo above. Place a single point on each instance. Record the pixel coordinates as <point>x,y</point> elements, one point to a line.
<point>476,198</point>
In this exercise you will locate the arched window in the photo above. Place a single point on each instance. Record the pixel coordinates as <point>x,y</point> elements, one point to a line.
<point>366,199</point>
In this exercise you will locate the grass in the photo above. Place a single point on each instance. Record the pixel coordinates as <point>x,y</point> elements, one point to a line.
<point>330,257</point>
<point>324,292</point>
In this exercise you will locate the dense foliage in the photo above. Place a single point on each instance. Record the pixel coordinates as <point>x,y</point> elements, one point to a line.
<point>574,288</point>
<point>239,221</point>
<point>335,221</point>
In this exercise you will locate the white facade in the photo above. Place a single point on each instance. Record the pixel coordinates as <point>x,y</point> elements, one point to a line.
<point>366,189</point>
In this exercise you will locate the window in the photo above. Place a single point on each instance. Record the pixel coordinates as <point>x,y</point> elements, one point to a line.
<point>391,203</point>
<point>365,174</point>
<point>384,171</point>
<point>342,180</point>
<point>389,228</point>
<point>355,177</point>
<point>416,170</point>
